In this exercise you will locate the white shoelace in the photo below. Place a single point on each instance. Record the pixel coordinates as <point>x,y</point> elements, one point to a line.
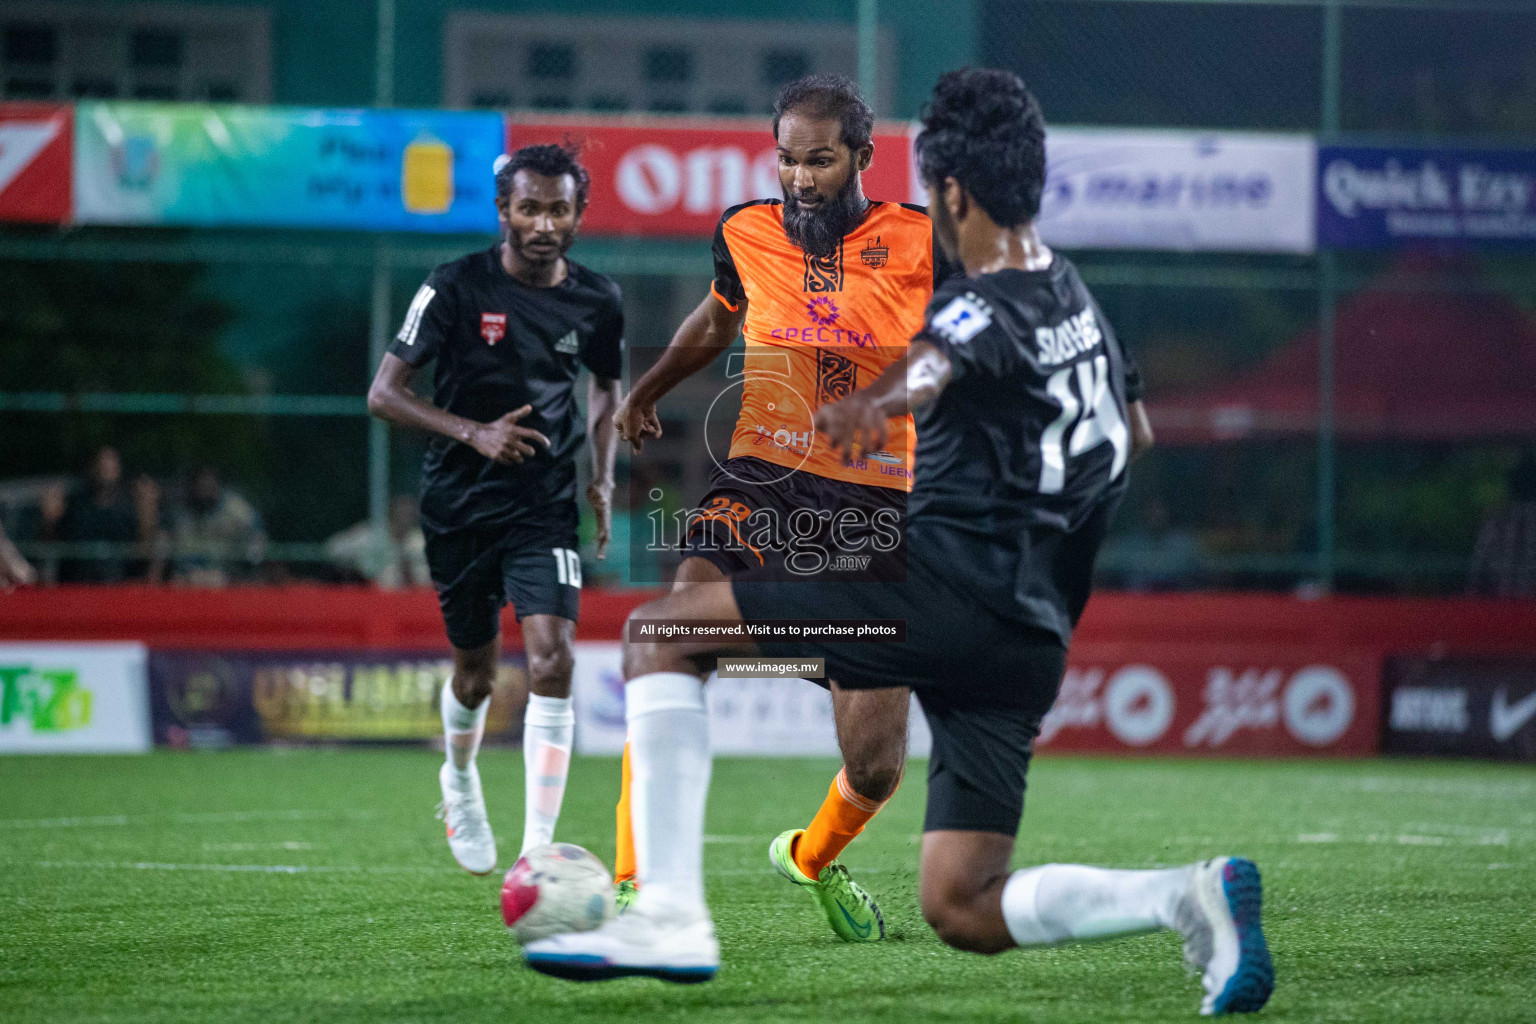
<point>465,824</point>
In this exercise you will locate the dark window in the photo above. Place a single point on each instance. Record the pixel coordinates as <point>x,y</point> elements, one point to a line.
<point>1211,65</point>
<point>551,102</point>
<point>551,60</point>
<point>156,48</point>
<point>670,106</point>
<point>28,88</point>
<point>608,103</point>
<point>728,105</point>
<point>494,100</point>
<point>31,44</point>
<point>154,92</point>
<point>780,66</point>
<point>93,88</point>
<point>668,64</point>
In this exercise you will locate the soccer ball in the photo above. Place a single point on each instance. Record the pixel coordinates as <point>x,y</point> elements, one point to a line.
<point>553,889</point>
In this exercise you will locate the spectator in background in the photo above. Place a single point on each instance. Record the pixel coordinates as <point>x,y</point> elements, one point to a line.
<point>14,570</point>
<point>391,558</point>
<point>1504,560</point>
<point>99,509</point>
<point>216,536</point>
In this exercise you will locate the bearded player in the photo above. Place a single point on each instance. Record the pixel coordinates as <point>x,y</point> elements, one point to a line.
<point>510,328</point>
<point>827,287</point>
<point>1023,447</point>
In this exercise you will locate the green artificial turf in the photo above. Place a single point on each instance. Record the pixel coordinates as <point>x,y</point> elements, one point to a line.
<point>1394,891</point>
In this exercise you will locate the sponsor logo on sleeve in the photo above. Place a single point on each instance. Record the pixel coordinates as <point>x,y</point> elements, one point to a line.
<point>963,319</point>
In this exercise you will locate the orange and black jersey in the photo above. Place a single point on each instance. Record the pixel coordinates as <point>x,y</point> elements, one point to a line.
<point>819,328</point>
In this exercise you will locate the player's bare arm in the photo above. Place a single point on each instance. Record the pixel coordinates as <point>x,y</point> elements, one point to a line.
<point>857,424</point>
<point>390,398</point>
<point>602,400</point>
<point>1141,429</point>
<point>703,335</point>
<point>14,570</point>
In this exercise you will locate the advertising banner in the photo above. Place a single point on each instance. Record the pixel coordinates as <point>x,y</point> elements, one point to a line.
<point>1216,699</point>
<point>218,698</point>
<point>1378,198</point>
<point>1461,707</point>
<point>208,166</point>
<point>674,177</point>
<point>1227,191</point>
<point>1186,699</point>
<point>73,698</point>
<point>36,140</point>
<point>772,717</point>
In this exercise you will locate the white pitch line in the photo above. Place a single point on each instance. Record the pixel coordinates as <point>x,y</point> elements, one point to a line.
<point>201,818</point>
<point>263,869</point>
<point>1403,839</point>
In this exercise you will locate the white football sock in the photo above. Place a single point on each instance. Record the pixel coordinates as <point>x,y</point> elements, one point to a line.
<point>547,728</point>
<point>463,729</point>
<point>670,764</point>
<point>1056,902</point>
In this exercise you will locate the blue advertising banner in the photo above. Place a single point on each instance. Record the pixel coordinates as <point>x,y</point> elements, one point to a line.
<point>209,166</point>
<point>1378,198</point>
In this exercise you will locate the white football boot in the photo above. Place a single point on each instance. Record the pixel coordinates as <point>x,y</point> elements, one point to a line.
<point>1218,916</point>
<point>469,831</point>
<point>640,943</point>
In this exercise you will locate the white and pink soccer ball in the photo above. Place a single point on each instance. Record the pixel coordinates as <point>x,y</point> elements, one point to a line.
<point>554,889</point>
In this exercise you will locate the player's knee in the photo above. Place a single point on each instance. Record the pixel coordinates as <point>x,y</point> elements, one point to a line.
<point>956,921</point>
<point>549,670</point>
<point>875,777</point>
<point>642,657</point>
<point>473,680</point>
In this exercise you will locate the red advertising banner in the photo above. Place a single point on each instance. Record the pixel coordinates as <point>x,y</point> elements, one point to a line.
<point>1260,701</point>
<point>36,147</point>
<point>674,177</point>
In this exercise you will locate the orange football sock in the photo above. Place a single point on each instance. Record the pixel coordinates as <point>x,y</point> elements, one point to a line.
<point>843,815</point>
<point>624,856</point>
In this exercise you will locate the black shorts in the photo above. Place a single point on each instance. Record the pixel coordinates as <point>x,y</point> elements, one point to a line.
<point>479,570</point>
<point>984,682</point>
<point>796,525</point>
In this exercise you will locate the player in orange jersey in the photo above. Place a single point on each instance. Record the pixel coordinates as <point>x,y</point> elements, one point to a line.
<point>827,286</point>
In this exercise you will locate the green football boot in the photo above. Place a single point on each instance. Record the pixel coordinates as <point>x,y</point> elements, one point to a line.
<point>624,894</point>
<point>852,912</point>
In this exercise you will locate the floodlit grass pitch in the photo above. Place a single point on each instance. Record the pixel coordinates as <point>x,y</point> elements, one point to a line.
<point>307,885</point>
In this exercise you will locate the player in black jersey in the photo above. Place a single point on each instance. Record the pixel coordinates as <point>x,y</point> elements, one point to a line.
<point>510,329</point>
<point>1018,388</point>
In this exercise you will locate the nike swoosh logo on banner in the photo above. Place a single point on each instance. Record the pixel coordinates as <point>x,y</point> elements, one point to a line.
<point>1505,719</point>
<point>862,931</point>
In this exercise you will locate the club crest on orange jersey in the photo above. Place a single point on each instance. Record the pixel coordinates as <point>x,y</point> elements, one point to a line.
<point>874,254</point>
<point>493,327</point>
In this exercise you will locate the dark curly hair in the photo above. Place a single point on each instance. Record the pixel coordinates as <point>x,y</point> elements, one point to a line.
<point>828,96</point>
<point>985,130</point>
<point>549,160</point>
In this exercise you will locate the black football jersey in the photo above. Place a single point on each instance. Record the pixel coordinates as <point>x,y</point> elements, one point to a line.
<point>499,345</point>
<point>1022,459</point>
